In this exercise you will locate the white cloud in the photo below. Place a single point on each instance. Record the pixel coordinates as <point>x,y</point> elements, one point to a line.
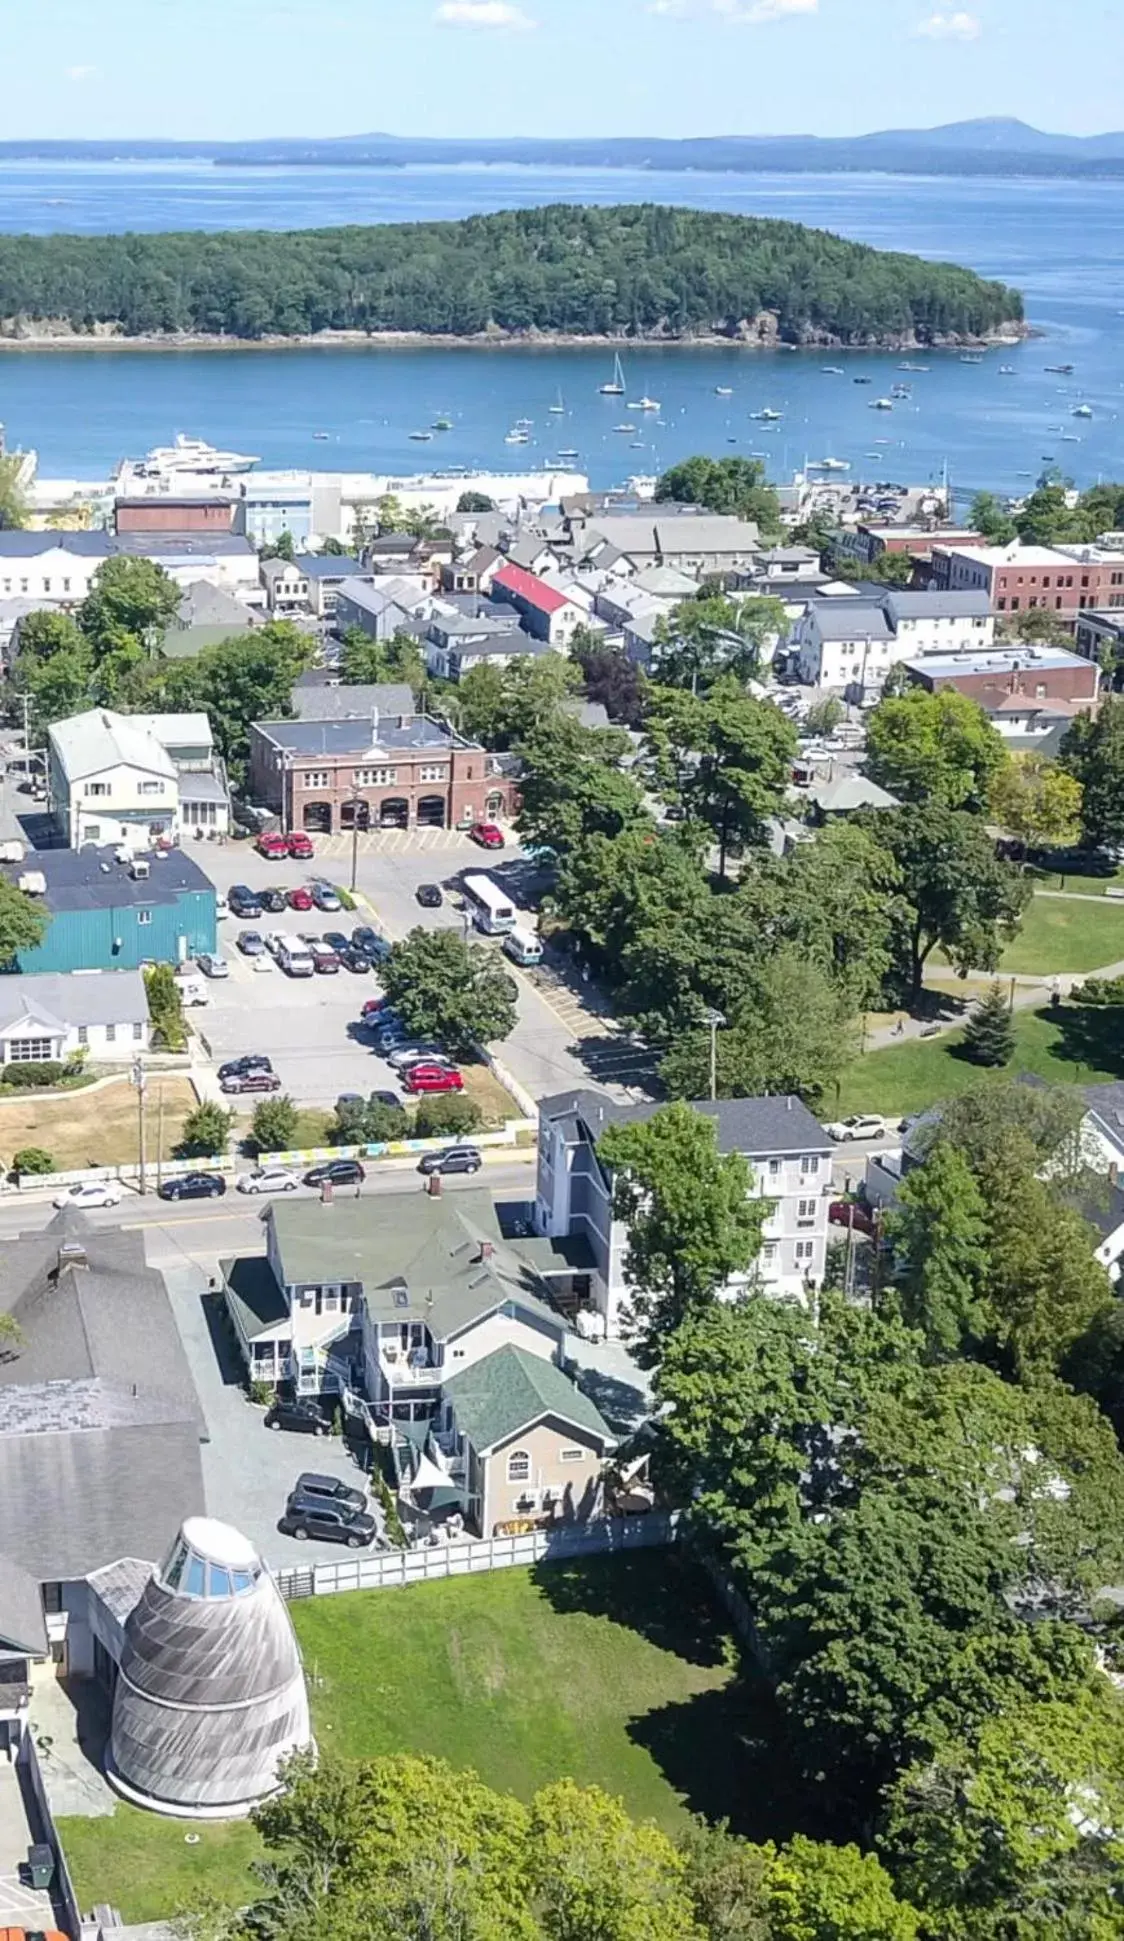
<point>482,13</point>
<point>80,73</point>
<point>949,26</point>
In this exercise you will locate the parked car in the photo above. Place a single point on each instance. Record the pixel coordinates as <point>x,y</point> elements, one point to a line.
<point>325,897</point>
<point>336,1172</point>
<point>452,1159</point>
<point>861,1125</point>
<point>327,1489</point>
<point>847,1213</point>
<point>336,940</point>
<point>300,898</point>
<point>385,1098</point>
<point>194,1186</point>
<point>433,1078</point>
<point>429,896</point>
<point>212,966</point>
<point>268,1179</point>
<point>302,1416</point>
<point>487,835</point>
<point>327,1523</point>
<point>273,900</point>
<point>96,1192</point>
<point>390,1038</point>
<point>324,958</point>
<point>300,846</point>
<point>417,1051</point>
<point>253,1061</point>
<point>368,940</point>
<point>275,941</point>
<point>252,1082</point>
<point>243,901</point>
<point>250,943</point>
<point>372,1007</point>
<point>274,848</point>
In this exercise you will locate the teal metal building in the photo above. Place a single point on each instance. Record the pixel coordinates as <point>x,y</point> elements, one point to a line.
<point>103,916</point>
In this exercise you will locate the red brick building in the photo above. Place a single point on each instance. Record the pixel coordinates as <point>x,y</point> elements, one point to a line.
<point>161,513</point>
<point>1004,674</point>
<point>1019,579</point>
<point>374,772</point>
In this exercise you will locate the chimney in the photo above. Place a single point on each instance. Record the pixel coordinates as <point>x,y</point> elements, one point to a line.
<point>486,1251</point>
<point>404,720</point>
<point>374,727</point>
<point>72,1253</point>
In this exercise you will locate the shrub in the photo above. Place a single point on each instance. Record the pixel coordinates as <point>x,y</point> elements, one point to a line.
<point>446,1116</point>
<point>345,896</point>
<point>165,1007</point>
<point>382,1123</point>
<point>34,1077</point>
<point>1100,990</point>
<point>274,1125</point>
<point>262,1392</point>
<point>206,1131</point>
<point>33,1159</point>
<point>382,1490</point>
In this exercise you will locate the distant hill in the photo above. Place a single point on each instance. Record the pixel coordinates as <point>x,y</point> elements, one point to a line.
<point>984,147</point>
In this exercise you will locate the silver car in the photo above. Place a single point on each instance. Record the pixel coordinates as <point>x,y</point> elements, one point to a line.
<point>268,1179</point>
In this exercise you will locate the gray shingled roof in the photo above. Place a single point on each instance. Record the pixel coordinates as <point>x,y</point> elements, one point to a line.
<point>756,1127</point>
<point>23,1626</point>
<point>510,1390</point>
<point>98,997</point>
<point>327,700</point>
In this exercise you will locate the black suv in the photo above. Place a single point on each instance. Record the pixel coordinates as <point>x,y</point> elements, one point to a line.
<point>243,902</point>
<point>340,1172</point>
<point>254,1061</point>
<point>370,943</point>
<point>429,896</point>
<point>273,900</point>
<point>451,1159</point>
<point>306,1417</point>
<point>311,1516</point>
<point>313,1488</point>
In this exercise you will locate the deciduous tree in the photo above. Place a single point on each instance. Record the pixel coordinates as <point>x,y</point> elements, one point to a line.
<point>953,891</point>
<point>574,785</point>
<point>938,1231</point>
<point>1093,754</point>
<point>934,748</point>
<point>1037,802</point>
<point>793,1032</point>
<point>727,756</point>
<point>454,991</point>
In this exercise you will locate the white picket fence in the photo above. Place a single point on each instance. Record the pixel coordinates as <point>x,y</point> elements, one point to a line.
<point>393,1569</point>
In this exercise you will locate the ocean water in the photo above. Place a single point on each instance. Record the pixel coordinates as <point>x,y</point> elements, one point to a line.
<point>1060,242</point>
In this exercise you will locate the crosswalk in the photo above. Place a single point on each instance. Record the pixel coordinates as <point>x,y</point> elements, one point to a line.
<point>394,842</point>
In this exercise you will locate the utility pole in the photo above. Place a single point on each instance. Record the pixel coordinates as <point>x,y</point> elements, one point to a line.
<point>714,1019</point>
<point>159,1138</point>
<point>138,1077</point>
<point>356,804</point>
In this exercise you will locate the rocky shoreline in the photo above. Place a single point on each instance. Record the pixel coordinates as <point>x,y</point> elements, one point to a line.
<point>760,333</point>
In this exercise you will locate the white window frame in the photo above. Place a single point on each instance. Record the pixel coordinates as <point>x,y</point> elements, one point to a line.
<point>571,1455</point>
<point>519,1466</point>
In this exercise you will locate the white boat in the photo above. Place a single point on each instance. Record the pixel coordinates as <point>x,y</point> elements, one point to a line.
<point>833,370</point>
<point>907,366</point>
<point>768,415</point>
<point>558,407</point>
<point>616,388</point>
<point>196,456</point>
<point>320,436</point>
<point>645,404</point>
<point>1070,438</point>
<point>421,437</point>
<point>625,428</point>
<point>970,357</point>
<point>723,390</point>
<point>828,465</point>
<point>1082,410</point>
<point>568,453</point>
<point>516,437</point>
<point>882,404</point>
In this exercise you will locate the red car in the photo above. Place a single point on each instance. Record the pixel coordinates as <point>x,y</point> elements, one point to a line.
<point>845,1213</point>
<point>299,846</point>
<point>300,898</point>
<point>251,1082</point>
<point>487,835</point>
<point>432,1078</point>
<point>273,848</point>
<point>373,1006</point>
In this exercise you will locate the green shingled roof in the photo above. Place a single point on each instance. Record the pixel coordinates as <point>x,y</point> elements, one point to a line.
<point>511,1389</point>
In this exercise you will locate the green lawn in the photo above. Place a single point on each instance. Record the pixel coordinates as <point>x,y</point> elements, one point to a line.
<point>608,1669</point>
<point>1072,1046</point>
<point>1064,934</point>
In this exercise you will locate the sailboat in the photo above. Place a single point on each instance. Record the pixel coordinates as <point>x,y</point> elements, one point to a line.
<point>616,388</point>
<point>558,407</point>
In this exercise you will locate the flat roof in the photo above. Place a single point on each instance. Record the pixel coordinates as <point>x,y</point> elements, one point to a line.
<point>91,878</point>
<point>998,660</point>
<point>363,735</point>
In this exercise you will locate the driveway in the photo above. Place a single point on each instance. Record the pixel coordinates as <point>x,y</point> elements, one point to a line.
<point>247,1471</point>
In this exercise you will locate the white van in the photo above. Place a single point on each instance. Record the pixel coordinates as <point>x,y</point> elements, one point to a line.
<point>523,947</point>
<point>191,988</point>
<point>297,959</point>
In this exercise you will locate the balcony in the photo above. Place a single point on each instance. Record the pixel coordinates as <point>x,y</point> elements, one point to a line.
<point>408,1368</point>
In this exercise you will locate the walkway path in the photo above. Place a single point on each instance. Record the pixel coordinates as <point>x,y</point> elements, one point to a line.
<point>960,993</point>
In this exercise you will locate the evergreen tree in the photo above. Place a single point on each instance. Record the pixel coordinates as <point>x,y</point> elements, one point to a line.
<point>989,1035</point>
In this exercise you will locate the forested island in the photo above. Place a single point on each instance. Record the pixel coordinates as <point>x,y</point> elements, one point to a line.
<point>630,272</point>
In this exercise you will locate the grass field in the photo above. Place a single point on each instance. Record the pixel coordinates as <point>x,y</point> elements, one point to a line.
<point>614,1670</point>
<point>95,1127</point>
<point>1072,1046</point>
<point>1066,934</point>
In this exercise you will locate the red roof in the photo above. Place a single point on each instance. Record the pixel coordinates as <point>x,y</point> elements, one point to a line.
<point>529,587</point>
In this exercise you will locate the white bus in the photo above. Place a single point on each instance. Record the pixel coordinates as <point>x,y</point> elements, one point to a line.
<point>492,910</point>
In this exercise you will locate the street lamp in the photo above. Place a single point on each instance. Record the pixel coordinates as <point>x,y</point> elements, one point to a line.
<point>714,1020</point>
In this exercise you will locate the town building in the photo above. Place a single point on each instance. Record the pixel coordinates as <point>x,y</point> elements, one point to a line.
<point>696,542</point>
<point>1021,579</point>
<point>136,779</point>
<point>523,1442</point>
<point>325,574</point>
<point>867,541</point>
<point>1100,638</point>
<point>399,772</point>
<point>320,695</point>
<point>181,512</point>
<point>377,607</point>
<point>456,641</point>
<point>286,587</point>
<point>207,614</point>
<point>848,644</point>
<point>547,612</point>
<point>103,1014</point>
<point>106,914</point>
<point>789,1156</point>
<point>1031,695</point>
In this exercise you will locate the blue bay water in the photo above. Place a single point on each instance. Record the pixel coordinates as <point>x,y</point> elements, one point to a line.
<point>1060,242</point>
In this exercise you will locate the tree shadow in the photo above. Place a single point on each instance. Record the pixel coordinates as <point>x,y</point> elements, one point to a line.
<point>1088,1035</point>
<point>230,1365</point>
<point>660,1594</point>
<point>624,1405</point>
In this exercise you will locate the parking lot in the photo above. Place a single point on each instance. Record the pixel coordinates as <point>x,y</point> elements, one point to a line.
<point>308,1027</point>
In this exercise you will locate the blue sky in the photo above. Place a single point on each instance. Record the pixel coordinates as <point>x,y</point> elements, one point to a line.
<point>233,68</point>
